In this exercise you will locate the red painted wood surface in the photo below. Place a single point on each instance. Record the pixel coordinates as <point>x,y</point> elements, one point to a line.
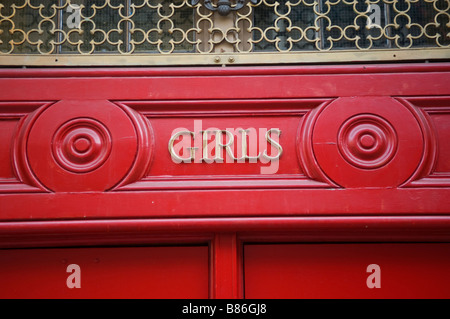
<point>85,162</point>
<point>197,230</point>
<point>340,271</point>
<point>138,272</point>
<point>401,113</point>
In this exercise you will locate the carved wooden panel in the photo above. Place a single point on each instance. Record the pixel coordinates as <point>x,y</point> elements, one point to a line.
<point>367,142</point>
<point>224,142</point>
<point>76,145</point>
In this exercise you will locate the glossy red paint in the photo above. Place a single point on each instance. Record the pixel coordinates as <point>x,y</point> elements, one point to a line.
<point>342,271</point>
<point>131,272</point>
<point>85,163</point>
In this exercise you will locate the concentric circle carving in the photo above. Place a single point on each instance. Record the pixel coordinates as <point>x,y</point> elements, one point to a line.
<point>73,146</point>
<point>81,145</point>
<point>367,141</point>
<point>364,142</point>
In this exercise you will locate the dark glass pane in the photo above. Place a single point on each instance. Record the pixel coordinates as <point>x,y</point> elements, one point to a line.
<point>283,25</point>
<point>101,28</point>
<point>26,29</point>
<point>163,26</point>
<point>330,25</point>
<point>419,24</point>
<point>164,29</point>
<point>352,26</point>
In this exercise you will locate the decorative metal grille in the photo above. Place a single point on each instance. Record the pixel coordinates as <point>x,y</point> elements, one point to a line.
<point>262,30</point>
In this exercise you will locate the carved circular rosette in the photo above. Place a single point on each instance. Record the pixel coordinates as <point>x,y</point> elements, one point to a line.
<point>366,142</point>
<point>82,146</point>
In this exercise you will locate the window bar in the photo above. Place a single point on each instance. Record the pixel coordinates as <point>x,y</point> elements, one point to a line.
<point>59,23</point>
<point>387,19</point>
<point>321,32</point>
<point>128,27</point>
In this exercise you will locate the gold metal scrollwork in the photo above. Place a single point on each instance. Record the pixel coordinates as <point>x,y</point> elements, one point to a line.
<point>223,7</point>
<point>264,30</point>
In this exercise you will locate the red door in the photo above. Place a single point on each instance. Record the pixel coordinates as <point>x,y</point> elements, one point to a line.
<point>283,182</point>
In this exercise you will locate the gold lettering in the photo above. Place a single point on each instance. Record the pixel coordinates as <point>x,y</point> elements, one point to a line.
<point>274,143</point>
<point>244,148</point>
<point>219,146</point>
<point>205,139</point>
<point>271,137</point>
<point>172,152</point>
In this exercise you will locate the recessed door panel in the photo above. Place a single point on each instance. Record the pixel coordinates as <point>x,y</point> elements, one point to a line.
<point>126,272</point>
<point>347,271</point>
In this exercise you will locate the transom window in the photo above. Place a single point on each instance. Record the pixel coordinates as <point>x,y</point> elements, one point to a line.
<point>262,31</point>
